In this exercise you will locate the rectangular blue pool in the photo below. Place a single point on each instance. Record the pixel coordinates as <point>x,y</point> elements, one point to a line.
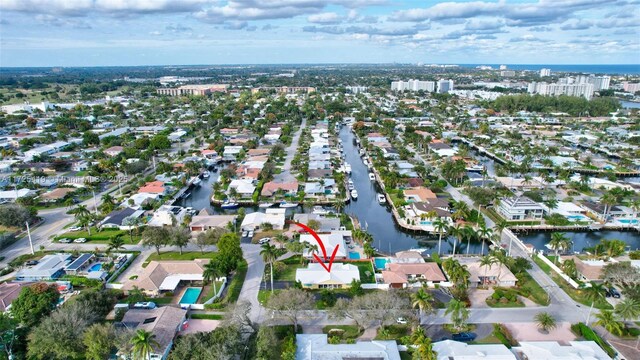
<point>191,295</point>
<point>380,263</point>
<point>354,255</point>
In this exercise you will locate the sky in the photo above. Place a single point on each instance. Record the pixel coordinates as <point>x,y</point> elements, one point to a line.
<point>186,32</point>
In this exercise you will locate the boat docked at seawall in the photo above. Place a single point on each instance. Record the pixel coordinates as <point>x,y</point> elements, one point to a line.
<point>350,185</point>
<point>372,177</point>
<point>229,204</point>
<point>206,175</point>
<point>354,194</point>
<point>287,205</point>
<point>319,210</point>
<point>381,199</point>
<point>196,181</point>
<point>265,205</point>
<point>347,168</point>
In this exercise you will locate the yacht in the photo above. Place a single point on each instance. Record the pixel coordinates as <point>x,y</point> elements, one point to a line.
<point>196,181</point>
<point>319,210</point>
<point>354,194</point>
<point>347,168</point>
<point>475,168</point>
<point>285,204</point>
<point>361,152</point>
<point>206,174</point>
<point>229,204</point>
<point>350,185</point>
<point>366,163</point>
<point>265,205</point>
<point>381,199</point>
<point>372,177</point>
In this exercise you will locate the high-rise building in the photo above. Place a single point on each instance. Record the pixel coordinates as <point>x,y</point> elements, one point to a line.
<point>600,82</point>
<point>503,67</point>
<point>444,86</point>
<point>507,73</point>
<point>545,72</point>
<point>630,87</point>
<point>585,89</point>
<point>413,85</point>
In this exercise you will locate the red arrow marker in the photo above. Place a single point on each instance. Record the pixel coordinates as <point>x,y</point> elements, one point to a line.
<point>324,251</point>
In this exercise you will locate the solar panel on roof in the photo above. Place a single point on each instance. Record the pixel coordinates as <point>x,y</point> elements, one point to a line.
<point>77,263</point>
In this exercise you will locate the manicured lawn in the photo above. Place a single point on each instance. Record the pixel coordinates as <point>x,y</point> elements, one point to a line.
<point>530,288</point>
<point>395,332</point>
<point>263,296</point>
<point>100,237</point>
<point>233,287</point>
<point>207,316</point>
<point>174,255</point>
<point>510,304</point>
<point>348,331</point>
<point>491,339</point>
<point>208,290</point>
<point>576,294</point>
<point>366,272</point>
<point>288,273</point>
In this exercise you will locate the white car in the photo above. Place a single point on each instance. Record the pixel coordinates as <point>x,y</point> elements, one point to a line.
<point>244,234</point>
<point>75,228</point>
<point>144,305</point>
<point>401,320</point>
<point>80,240</point>
<point>64,240</point>
<point>250,234</point>
<point>264,240</point>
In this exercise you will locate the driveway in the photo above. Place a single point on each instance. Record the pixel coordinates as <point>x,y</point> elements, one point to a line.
<point>200,325</point>
<point>530,332</point>
<point>291,151</point>
<point>478,297</point>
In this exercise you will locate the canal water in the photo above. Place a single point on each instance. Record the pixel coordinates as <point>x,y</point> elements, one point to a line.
<point>582,240</point>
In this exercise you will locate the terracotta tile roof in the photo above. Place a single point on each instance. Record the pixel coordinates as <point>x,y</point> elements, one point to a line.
<point>428,271</point>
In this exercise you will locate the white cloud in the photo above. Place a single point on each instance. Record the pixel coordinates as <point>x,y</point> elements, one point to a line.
<point>325,18</point>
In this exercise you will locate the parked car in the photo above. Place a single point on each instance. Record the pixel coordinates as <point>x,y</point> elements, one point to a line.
<point>244,234</point>
<point>264,240</point>
<point>401,320</point>
<point>464,336</point>
<point>31,262</point>
<point>64,240</point>
<point>614,292</point>
<point>250,234</point>
<point>75,228</point>
<point>80,240</point>
<point>144,305</point>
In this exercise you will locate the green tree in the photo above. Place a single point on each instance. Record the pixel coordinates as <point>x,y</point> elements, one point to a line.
<point>211,273</point>
<point>594,293</point>
<point>355,289</point>
<point>9,334</point>
<point>229,252</point>
<point>269,254</point>
<point>559,242</point>
<point>440,226</point>
<point>34,303</point>
<point>291,304</point>
<point>628,309</point>
<point>156,237</point>
<point>459,313</point>
<point>143,343</point>
<point>607,319</point>
<point>179,236</point>
<point>115,243</point>
<point>98,340</point>
<point>422,300</point>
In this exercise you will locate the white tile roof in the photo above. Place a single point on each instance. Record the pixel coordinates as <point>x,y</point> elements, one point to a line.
<point>455,350</point>
<point>315,347</point>
<point>316,274</point>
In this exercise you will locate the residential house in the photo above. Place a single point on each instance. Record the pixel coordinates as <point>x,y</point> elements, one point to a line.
<point>439,206</point>
<point>80,165</point>
<point>326,224</point>
<point>315,276</point>
<point>114,150</point>
<point>520,208</point>
<point>331,241</point>
<point>317,347</point>
<point>56,195</point>
<point>419,194</point>
<point>270,188</point>
<point>154,187</point>
<point>552,350</point>
<point>50,267</point>
<point>230,153</point>
<point>163,322</point>
<point>9,291</point>
<point>80,265</point>
<point>275,217</point>
<point>456,350</point>
<point>598,210</point>
<point>244,188</point>
<point>163,276</point>
<point>483,275</point>
<point>167,215</point>
<point>587,270</point>
<point>203,221</point>
<point>319,174</point>
<point>401,275</point>
<point>13,195</point>
<point>119,218</point>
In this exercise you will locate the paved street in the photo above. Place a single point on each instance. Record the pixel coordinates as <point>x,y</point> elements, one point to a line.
<point>291,150</point>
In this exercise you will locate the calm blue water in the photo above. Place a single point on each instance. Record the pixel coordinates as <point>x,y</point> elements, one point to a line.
<point>595,69</point>
<point>191,295</point>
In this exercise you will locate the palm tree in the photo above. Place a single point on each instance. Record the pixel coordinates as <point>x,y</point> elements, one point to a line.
<point>608,200</point>
<point>484,233</point>
<point>422,300</point>
<point>469,233</point>
<point>459,313</point>
<point>487,261</point>
<point>595,292</point>
<point>211,274</point>
<point>423,347</point>
<point>116,243</point>
<point>281,239</point>
<point>628,309</point>
<point>545,321</point>
<point>558,241</point>
<point>440,225</point>
<point>143,343</point>
<point>268,253</point>
<point>456,232</point>
<point>607,320</point>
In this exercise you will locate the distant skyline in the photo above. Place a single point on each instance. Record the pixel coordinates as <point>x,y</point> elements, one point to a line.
<point>197,32</point>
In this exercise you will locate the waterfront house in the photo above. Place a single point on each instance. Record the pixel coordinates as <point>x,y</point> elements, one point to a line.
<point>275,217</point>
<point>163,322</point>
<point>154,187</point>
<point>520,208</point>
<point>419,194</point>
<point>230,153</point>
<point>587,270</point>
<point>457,350</point>
<point>316,346</point>
<point>167,215</point>
<point>203,221</point>
<point>439,206</point>
<point>483,275</point>
<point>270,188</point>
<point>315,276</point>
<point>244,188</point>
<point>327,224</point>
<point>114,150</point>
<point>401,275</point>
<point>118,218</point>
<point>552,350</point>
<point>331,241</point>
<point>598,210</point>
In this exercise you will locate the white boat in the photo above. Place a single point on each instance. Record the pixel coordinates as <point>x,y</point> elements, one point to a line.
<point>370,165</point>
<point>347,168</point>
<point>381,199</point>
<point>475,168</point>
<point>229,204</point>
<point>372,177</point>
<point>206,174</point>
<point>285,204</point>
<point>350,185</point>
<point>361,152</point>
<point>354,194</point>
<point>265,205</point>
<point>319,210</point>
<point>366,163</point>
<point>196,181</point>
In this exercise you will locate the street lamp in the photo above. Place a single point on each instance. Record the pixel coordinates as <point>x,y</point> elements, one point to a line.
<point>30,241</point>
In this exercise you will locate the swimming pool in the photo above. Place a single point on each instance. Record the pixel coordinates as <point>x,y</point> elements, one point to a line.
<point>628,221</point>
<point>191,295</point>
<point>354,255</point>
<point>380,263</point>
<point>426,223</point>
<point>96,267</point>
<point>577,217</point>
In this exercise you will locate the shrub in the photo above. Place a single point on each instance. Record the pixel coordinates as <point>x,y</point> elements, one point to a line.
<point>504,335</point>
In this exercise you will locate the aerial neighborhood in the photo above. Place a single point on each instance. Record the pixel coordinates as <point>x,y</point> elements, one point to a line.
<point>301,212</point>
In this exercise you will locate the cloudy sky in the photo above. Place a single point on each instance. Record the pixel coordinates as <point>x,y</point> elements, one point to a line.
<point>160,32</point>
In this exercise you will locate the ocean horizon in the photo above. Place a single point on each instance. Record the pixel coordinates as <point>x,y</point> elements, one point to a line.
<point>583,68</point>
